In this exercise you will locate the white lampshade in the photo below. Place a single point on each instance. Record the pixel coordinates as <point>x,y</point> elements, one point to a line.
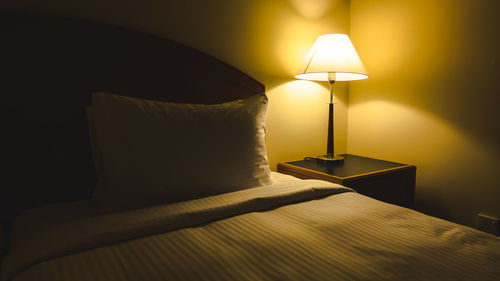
<point>332,54</point>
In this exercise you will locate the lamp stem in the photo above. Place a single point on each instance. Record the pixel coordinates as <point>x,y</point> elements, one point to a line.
<point>331,90</point>
<point>330,141</point>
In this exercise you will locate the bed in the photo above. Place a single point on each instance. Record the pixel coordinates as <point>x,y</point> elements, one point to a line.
<point>93,191</point>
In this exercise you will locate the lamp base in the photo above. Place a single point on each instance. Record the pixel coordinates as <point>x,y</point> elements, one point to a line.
<point>330,158</point>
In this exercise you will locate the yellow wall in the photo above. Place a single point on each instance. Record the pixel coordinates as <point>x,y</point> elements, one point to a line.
<point>267,39</point>
<point>432,98</point>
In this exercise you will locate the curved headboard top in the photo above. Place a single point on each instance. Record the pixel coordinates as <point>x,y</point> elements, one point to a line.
<point>51,65</point>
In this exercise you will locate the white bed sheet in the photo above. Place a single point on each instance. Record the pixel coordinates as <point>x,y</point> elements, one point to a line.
<point>291,230</point>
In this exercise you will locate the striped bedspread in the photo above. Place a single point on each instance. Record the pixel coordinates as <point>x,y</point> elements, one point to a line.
<point>291,230</point>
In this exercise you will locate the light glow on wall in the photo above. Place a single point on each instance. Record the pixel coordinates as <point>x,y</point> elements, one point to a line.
<point>280,36</point>
<point>313,9</point>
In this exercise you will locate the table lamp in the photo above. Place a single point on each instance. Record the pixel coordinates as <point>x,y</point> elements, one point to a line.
<point>332,58</point>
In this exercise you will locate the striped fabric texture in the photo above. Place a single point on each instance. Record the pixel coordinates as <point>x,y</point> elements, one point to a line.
<point>291,230</point>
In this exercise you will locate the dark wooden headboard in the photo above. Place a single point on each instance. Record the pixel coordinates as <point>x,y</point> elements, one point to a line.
<point>50,66</point>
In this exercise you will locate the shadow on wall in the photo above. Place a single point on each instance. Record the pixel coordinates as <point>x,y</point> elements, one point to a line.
<point>433,206</point>
<point>453,165</point>
<point>470,105</point>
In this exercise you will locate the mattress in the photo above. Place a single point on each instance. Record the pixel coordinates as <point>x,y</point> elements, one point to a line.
<point>290,230</point>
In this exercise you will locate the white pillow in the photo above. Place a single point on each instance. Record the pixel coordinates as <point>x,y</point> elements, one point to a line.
<point>156,152</point>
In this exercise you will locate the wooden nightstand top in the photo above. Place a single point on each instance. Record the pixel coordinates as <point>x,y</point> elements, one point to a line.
<point>352,166</point>
<point>387,181</point>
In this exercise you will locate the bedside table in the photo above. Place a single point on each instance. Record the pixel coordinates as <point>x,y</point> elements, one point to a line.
<point>386,181</point>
